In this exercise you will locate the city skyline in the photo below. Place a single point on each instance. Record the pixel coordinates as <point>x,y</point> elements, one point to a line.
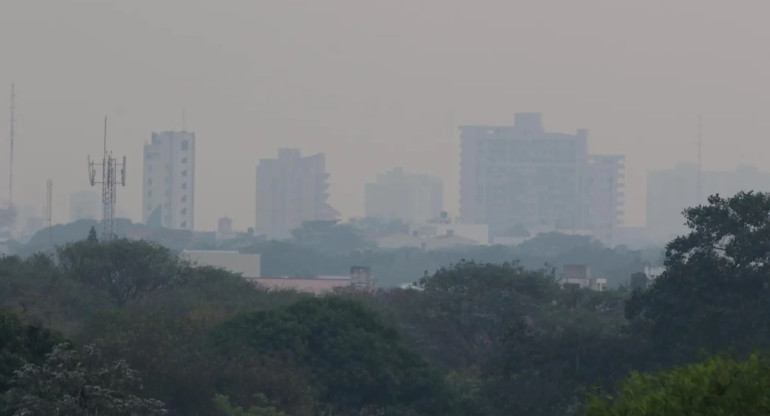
<point>256,77</point>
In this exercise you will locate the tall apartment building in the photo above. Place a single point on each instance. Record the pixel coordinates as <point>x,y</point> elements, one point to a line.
<point>291,189</point>
<point>670,191</point>
<point>410,197</point>
<point>168,187</point>
<point>85,205</point>
<point>521,177</point>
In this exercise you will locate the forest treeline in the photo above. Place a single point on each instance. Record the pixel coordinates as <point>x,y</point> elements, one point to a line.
<point>329,248</point>
<point>127,328</point>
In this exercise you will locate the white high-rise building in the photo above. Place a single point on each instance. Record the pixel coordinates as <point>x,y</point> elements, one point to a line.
<point>86,205</point>
<point>168,188</point>
<point>413,198</point>
<point>522,178</point>
<point>291,190</point>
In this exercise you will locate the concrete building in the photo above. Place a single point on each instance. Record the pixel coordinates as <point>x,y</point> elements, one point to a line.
<point>410,197</point>
<point>579,276</point>
<point>478,233</point>
<point>360,279</point>
<point>225,229</point>
<point>669,192</point>
<point>168,187</point>
<point>291,189</point>
<point>520,177</point>
<point>85,205</point>
<point>247,265</point>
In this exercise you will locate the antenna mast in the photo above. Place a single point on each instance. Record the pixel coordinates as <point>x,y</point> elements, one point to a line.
<point>49,209</point>
<point>699,183</point>
<point>13,136</point>
<point>109,184</point>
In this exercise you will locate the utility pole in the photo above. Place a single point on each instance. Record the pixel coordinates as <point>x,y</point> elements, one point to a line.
<point>49,210</point>
<point>109,182</point>
<point>699,184</point>
<point>13,137</point>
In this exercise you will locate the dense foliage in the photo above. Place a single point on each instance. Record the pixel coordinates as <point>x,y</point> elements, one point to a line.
<point>714,387</point>
<point>473,338</point>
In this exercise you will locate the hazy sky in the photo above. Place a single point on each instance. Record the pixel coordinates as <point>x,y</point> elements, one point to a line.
<point>374,84</point>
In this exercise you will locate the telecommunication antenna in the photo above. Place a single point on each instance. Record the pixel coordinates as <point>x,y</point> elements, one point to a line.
<point>13,137</point>
<point>49,209</point>
<point>698,185</point>
<point>109,182</point>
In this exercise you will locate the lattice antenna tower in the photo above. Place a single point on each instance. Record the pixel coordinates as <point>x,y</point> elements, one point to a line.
<point>109,182</point>
<point>13,138</point>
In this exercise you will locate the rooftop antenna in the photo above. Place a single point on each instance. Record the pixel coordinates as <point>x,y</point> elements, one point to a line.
<point>109,182</point>
<point>49,209</point>
<point>13,137</point>
<point>699,190</point>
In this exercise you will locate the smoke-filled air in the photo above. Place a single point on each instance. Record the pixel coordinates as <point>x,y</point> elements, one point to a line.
<point>384,208</point>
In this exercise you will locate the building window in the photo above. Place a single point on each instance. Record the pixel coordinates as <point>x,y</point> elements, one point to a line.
<point>184,198</point>
<point>184,172</point>
<point>184,160</point>
<point>149,194</point>
<point>183,211</point>
<point>184,145</point>
<point>183,224</point>
<point>184,185</point>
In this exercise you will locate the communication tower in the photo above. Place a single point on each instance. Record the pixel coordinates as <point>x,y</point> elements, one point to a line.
<point>109,182</point>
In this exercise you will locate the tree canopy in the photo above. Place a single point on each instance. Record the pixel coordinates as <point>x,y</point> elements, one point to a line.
<point>715,387</point>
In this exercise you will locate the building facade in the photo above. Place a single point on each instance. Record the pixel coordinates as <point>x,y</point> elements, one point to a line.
<point>670,191</point>
<point>85,205</point>
<point>168,187</point>
<point>412,198</point>
<point>291,189</point>
<point>521,178</point>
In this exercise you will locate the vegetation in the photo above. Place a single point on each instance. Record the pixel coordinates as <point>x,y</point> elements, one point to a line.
<point>83,326</point>
<point>714,387</point>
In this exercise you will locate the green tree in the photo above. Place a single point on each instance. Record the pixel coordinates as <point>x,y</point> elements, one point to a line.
<point>222,404</point>
<point>354,359</point>
<point>21,344</point>
<point>715,387</point>
<point>125,270</point>
<point>715,291</point>
<point>92,235</point>
<point>78,383</point>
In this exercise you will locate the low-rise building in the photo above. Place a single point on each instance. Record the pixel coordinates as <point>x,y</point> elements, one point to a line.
<point>360,279</point>
<point>579,276</point>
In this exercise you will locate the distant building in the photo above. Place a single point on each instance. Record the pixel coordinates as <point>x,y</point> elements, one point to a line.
<point>425,242</point>
<point>579,276</point>
<point>409,197</point>
<point>168,187</point>
<point>291,190</point>
<point>478,233</point>
<point>519,178</point>
<point>225,229</point>
<point>246,264</point>
<point>669,192</point>
<point>85,205</point>
<point>360,279</point>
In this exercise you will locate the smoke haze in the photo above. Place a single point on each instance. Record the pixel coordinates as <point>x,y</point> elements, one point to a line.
<point>374,84</point>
